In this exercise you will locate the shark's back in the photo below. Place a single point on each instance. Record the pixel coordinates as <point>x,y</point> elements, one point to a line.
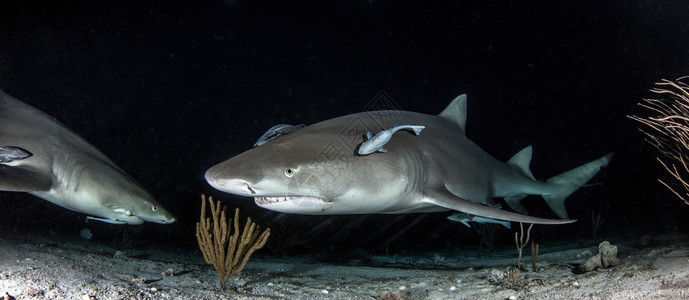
<point>22,124</point>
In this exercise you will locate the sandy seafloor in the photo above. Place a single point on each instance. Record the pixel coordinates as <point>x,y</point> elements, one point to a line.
<point>31,267</point>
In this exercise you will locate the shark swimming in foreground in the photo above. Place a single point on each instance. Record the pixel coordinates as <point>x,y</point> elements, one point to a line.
<point>41,156</point>
<point>316,171</point>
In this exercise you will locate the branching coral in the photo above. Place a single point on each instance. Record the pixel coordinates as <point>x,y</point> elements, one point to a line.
<point>227,253</point>
<point>521,242</point>
<point>670,130</point>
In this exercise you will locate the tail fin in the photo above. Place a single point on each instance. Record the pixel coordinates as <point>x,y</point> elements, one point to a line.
<point>566,183</point>
<point>417,129</point>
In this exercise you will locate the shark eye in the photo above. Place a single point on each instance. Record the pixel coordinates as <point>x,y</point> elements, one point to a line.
<point>289,172</point>
<point>154,208</point>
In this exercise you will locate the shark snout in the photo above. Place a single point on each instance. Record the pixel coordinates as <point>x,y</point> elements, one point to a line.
<point>158,215</point>
<point>232,186</point>
<point>220,178</point>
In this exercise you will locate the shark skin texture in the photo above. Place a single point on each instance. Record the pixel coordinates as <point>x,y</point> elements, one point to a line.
<point>46,159</point>
<point>318,171</point>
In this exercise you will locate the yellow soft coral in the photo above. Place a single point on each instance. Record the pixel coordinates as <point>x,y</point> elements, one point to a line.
<point>670,130</point>
<point>227,253</point>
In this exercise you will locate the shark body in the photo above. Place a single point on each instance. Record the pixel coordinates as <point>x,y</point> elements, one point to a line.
<point>316,170</point>
<point>59,166</point>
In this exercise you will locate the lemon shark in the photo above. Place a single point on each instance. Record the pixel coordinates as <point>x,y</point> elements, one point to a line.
<point>41,156</point>
<point>317,170</point>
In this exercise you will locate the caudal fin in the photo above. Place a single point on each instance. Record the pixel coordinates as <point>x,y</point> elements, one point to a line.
<point>417,129</point>
<point>566,183</point>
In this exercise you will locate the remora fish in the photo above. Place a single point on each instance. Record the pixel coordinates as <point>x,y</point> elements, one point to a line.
<point>316,171</point>
<point>9,154</point>
<point>465,218</point>
<point>276,131</point>
<point>379,140</point>
<point>68,171</point>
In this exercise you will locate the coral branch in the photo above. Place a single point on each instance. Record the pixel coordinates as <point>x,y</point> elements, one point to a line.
<point>221,249</point>
<point>520,242</point>
<point>670,130</point>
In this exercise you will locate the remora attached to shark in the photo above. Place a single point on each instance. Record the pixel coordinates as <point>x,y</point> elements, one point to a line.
<point>316,171</point>
<point>46,159</point>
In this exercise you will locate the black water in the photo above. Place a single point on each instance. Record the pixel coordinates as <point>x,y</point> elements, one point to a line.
<point>169,88</point>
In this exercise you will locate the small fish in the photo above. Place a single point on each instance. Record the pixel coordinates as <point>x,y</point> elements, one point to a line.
<point>109,221</point>
<point>465,218</point>
<point>376,143</point>
<point>9,154</point>
<point>276,131</point>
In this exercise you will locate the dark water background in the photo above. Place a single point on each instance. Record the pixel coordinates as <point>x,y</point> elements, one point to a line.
<point>169,88</point>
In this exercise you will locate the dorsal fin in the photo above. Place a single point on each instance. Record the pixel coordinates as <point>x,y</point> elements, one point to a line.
<point>522,160</point>
<point>457,112</point>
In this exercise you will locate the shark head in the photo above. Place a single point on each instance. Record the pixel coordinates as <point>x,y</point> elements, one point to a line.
<point>314,171</point>
<point>105,193</point>
<point>123,200</point>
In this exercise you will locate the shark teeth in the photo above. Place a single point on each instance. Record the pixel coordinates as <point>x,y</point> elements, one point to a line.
<point>273,200</point>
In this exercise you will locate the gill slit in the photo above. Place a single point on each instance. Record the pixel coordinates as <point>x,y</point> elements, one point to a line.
<point>416,172</point>
<point>67,171</point>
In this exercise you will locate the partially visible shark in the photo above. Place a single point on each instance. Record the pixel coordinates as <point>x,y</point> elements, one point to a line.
<point>44,158</point>
<point>317,170</point>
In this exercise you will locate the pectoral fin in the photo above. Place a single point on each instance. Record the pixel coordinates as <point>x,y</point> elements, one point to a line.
<point>444,198</point>
<point>23,179</point>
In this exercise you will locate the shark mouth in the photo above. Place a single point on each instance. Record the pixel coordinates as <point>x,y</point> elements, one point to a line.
<point>273,200</point>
